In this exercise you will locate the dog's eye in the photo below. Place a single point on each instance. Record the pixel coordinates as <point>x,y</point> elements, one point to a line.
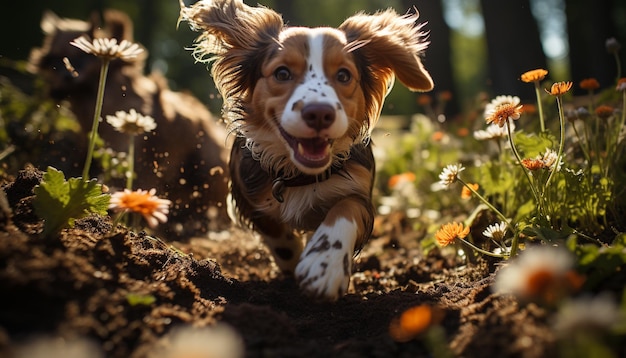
<point>282,74</point>
<point>343,76</point>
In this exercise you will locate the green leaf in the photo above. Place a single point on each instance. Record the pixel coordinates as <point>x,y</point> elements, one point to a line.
<point>532,145</point>
<point>60,202</point>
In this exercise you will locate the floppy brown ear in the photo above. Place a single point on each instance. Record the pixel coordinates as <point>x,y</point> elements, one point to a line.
<point>119,25</point>
<point>238,36</point>
<point>391,44</point>
<point>49,22</point>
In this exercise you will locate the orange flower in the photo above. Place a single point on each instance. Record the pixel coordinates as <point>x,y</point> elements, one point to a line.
<point>502,113</point>
<point>589,84</point>
<point>143,202</point>
<point>450,232</point>
<point>534,75</point>
<point>621,85</point>
<point>530,108</point>
<point>466,193</point>
<point>395,180</point>
<point>560,88</point>
<point>541,273</point>
<point>438,136</point>
<point>424,100</point>
<point>445,96</point>
<point>604,111</point>
<point>503,108</point>
<point>414,321</point>
<point>462,132</point>
<point>532,164</point>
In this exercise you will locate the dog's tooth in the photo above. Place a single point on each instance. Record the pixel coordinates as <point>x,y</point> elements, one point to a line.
<point>300,149</point>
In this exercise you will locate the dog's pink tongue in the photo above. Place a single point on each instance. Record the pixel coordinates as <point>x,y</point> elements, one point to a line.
<point>313,151</point>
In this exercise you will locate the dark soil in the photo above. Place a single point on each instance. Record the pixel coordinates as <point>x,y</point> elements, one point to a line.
<point>80,284</point>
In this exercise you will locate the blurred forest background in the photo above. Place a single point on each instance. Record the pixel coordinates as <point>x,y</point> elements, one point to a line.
<point>477,46</point>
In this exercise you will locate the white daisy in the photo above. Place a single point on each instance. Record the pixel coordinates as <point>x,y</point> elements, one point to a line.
<point>499,101</point>
<point>549,160</point>
<point>587,314</point>
<point>108,48</point>
<point>496,231</point>
<point>131,122</point>
<point>219,341</point>
<point>541,273</point>
<point>450,173</point>
<point>493,131</point>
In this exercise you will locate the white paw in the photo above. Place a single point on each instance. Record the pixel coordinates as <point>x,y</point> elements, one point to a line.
<point>326,263</point>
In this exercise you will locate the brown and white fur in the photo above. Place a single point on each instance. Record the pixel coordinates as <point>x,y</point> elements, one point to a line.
<point>303,103</point>
<point>184,158</point>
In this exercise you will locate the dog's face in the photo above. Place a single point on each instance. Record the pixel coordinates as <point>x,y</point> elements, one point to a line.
<point>307,94</point>
<point>308,98</point>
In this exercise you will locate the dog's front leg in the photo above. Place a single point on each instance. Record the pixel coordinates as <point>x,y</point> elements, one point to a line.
<point>325,265</point>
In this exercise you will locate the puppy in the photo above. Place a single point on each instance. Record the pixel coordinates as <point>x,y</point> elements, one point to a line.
<point>184,158</point>
<point>303,103</point>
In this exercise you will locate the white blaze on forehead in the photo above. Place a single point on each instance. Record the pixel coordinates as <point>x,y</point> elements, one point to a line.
<point>315,88</point>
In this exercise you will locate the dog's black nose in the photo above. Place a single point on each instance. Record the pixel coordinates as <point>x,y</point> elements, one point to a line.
<point>318,115</point>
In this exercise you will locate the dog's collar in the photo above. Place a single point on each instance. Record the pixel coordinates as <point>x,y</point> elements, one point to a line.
<point>280,182</point>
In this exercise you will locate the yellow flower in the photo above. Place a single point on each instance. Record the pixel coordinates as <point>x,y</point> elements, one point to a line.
<point>589,84</point>
<point>450,232</point>
<point>108,48</point>
<point>534,75</point>
<point>559,88</point>
<point>143,202</point>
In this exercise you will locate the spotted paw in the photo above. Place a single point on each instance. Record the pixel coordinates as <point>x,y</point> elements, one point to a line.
<point>326,263</point>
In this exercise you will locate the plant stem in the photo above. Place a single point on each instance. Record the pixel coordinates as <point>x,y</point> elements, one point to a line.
<point>559,102</point>
<point>519,160</point>
<point>583,145</point>
<point>619,65</point>
<point>540,106</point>
<point>131,162</point>
<point>484,252</point>
<point>555,168</point>
<point>118,220</point>
<point>514,244</point>
<point>96,117</point>
<point>488,204</point>
<point>619,128</point>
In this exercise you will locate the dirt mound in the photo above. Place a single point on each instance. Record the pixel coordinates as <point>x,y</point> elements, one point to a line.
<point>125,291</point>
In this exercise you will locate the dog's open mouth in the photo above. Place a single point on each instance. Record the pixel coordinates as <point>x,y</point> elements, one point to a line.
<point>310,152</point>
